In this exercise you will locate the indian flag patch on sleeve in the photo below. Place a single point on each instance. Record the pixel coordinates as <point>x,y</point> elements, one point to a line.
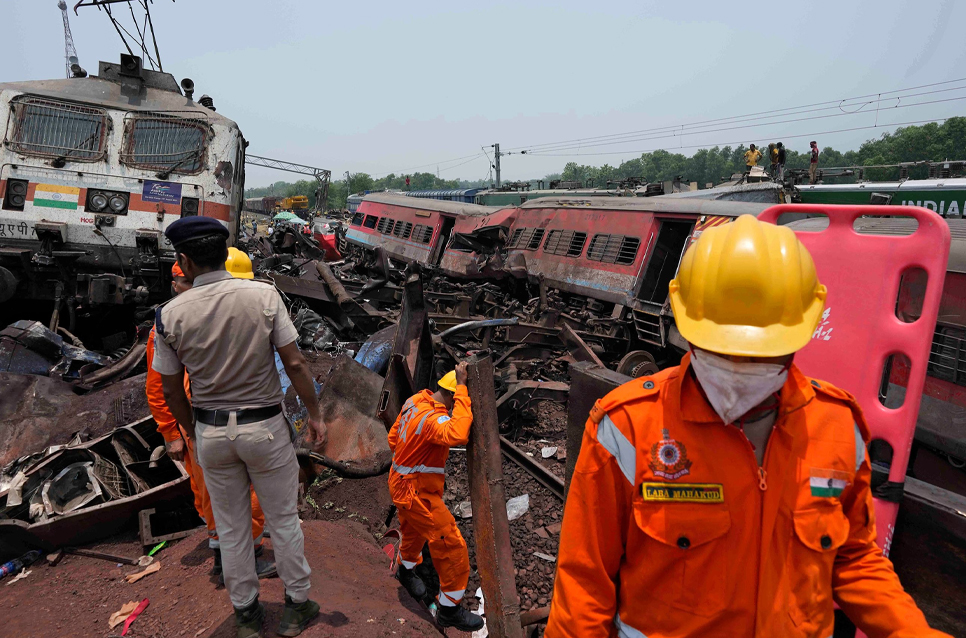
<point>54,196</point>
<point>827,483</point>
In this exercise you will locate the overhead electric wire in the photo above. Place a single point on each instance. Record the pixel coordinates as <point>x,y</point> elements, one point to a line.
<point>730,128</point>
<point>413,168</point>
<point>813,134</point>
<point>829,104</point>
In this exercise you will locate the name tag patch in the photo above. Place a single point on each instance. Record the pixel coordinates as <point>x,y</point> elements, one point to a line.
<point>683,492</point>
<point>827,483</point>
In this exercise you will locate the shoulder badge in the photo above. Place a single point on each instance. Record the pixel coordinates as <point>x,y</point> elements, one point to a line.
<point>669,458</point>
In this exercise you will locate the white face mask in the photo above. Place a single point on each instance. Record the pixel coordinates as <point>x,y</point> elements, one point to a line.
<point>735,388</point>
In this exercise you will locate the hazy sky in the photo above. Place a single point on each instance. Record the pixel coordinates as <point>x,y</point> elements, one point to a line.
<point>391,86</point>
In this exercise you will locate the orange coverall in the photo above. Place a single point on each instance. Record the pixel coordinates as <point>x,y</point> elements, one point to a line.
<point>671,529</point>
<point>171,431</point>
<point>420,440</point>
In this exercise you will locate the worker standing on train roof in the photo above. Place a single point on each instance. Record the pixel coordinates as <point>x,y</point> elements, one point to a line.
<point>752,155</point>
<point>180,446</point>
<point>729,495</point>
<point>428,425</point>
<point>222,332</point>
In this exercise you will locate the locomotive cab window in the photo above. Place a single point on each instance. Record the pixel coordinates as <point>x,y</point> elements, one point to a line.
<point>613,249</point>
<point>165,143</point>
<point>61,130</point>
<point>371,221</point>
<point>663,264</point>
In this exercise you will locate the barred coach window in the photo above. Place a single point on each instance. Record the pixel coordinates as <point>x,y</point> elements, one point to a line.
<point>613,249</point>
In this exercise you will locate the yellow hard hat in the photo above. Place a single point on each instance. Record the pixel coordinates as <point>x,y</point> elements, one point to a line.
<point>238,264</point>
<point>747,288</point>
<point>448,382</point>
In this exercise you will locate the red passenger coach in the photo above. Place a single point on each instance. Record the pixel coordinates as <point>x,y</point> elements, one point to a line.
<point>410,229</point>
<point>613,257</point>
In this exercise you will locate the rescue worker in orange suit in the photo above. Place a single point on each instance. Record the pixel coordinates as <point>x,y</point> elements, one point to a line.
<point>428,425</point>
<point>729,496</point>
<point>181,448</point>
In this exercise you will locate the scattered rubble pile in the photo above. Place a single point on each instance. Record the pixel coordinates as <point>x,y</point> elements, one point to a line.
<point>373,333</point>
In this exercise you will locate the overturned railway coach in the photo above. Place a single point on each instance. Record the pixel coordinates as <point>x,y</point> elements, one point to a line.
<point>601,264</point>
<point>93,169</point>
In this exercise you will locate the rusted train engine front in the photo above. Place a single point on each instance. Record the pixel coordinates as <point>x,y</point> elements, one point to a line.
<point>93,169</point>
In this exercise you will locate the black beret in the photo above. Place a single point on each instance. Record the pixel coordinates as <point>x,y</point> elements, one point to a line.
<point>188,228</point>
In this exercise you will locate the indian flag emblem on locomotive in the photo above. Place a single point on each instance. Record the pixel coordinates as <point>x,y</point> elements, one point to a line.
<point>669,458</point>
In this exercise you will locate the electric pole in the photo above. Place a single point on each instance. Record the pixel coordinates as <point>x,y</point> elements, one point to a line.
<point>497,154</point>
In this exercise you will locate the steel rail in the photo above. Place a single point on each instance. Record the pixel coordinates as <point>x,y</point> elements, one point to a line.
<point>544,476</point>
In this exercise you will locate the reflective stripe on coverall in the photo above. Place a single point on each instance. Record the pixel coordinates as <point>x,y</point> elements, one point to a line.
<point>169,429</point>
<point>420,440</point>
<point>672,530</point>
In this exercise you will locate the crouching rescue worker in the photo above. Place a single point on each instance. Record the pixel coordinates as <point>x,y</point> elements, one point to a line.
<point>222,332</point>
<point>180,446</point>
<point>728,496</point>
<point>429,424</point>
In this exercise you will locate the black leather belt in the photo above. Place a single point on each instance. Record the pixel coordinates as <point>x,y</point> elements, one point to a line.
<point>220,417</point>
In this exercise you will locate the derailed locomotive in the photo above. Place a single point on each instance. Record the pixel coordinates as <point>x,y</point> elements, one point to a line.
<point>92,171</point>
<point>600,264</point>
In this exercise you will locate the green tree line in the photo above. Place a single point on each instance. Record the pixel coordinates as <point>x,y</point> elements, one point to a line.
<point>708,165</point>
<point>713,165</point>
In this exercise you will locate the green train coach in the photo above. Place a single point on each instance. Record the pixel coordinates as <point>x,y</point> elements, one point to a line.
<point>946,196</point>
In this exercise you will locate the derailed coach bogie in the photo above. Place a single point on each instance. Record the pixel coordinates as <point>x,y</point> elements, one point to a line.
<point>92,170</point>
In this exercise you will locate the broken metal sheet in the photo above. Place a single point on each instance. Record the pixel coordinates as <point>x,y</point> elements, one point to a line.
<point>522,393</point>
<point>117,369</point>
<point>73,518</point>
<point>348,402</point>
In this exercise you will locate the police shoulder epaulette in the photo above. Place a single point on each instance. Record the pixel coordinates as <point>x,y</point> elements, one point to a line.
<point>640,388</point>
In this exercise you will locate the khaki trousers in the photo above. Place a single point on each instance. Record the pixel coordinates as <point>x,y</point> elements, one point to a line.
<point>259,454</point>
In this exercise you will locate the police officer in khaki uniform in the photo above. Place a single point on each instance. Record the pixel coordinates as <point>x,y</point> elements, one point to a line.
<point>222,332</point>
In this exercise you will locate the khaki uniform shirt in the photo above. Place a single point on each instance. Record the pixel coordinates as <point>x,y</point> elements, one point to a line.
<point>222,332</point>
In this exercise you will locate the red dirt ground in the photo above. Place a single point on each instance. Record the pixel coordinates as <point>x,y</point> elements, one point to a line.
<point>350,579</point>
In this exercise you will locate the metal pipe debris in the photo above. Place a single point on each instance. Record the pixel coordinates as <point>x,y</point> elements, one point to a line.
<point>474,325</point>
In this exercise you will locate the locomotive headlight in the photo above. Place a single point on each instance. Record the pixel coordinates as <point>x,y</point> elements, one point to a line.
<point>98,201</point>
<point>118,203</point>
<point>16,196</point>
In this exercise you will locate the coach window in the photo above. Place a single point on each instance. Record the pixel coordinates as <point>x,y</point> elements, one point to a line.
<point>947,357</point>
<point>613,249</point>
<point>422,233</point>
<point>403,230</point>
<point>371,221</point>
<point>526,238</point>
<point>357,219</point>
<point>568,243</point>
<point>60,130</point>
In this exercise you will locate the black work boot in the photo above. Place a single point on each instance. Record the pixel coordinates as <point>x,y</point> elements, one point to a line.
<point>460,617</point>
<point>248,621</point>
<point>413,583</point>
<point>296,617</point>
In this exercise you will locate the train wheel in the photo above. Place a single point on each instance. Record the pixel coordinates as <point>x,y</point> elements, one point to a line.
<point>638,363</point>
